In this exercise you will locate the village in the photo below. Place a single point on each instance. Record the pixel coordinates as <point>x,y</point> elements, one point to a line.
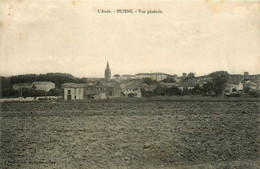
<point>130,120</point>
<point>144,85</point>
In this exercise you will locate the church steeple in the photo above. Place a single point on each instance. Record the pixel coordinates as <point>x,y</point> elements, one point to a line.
<point>107,65</point>
<point>107,72</point>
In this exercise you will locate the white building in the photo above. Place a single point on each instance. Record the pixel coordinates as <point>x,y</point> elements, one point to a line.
<point>73,92</point>
<point>46,86</point>
<point>153,76</point>
<point>18,86</point>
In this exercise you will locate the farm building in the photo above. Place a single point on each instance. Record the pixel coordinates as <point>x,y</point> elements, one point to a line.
<point>74,91</point>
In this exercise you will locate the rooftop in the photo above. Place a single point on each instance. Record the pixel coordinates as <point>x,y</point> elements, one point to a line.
<point>43,82</point>
<point>156,73</point>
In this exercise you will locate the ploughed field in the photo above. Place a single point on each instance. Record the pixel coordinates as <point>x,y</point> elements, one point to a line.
<point>145,134</point>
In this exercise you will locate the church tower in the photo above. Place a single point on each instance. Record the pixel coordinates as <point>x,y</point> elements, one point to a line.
<point>108,72</point>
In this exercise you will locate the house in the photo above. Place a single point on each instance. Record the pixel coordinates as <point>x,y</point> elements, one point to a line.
<point>136,84</point>
<point>245,77</point>
<point>235,78</point>
<point>202,82</point>
<point>253,78</point>
<point>204,78</point>
<point>253,85</point>
<point>234,86</point>
<point>173,77</point>
<point>168,85</point>
<point>46,86</point>
<point>74,91</point>
<point>132,92</point>
<point>102,92</point>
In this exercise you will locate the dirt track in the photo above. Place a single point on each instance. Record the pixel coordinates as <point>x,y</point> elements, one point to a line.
<point>130,135</point>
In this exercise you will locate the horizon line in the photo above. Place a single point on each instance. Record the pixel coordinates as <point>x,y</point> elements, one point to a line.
<point>123,74</point>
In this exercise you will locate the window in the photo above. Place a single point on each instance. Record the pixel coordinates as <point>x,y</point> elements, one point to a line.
<point>69,91</point>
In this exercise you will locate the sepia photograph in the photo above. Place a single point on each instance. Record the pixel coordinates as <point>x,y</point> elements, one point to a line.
<point>139,84</point>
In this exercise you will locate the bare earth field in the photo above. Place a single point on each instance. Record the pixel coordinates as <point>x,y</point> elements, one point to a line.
<point>134,134</point>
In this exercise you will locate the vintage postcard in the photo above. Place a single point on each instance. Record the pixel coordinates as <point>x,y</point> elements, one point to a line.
<point>129,84</point>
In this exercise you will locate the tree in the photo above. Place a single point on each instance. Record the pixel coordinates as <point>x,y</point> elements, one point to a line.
<point>149,81</point>
<point>196,90</point>
<point>169,80</point>
<point>53,92</point>
<point>207,88</point>
<point>246,89</point>
<point>26,92</point>
<point>173,91</point>
<point>219,80</point>
<point>39,93</point>
<point>116,76</point>
<point>57,78</point>
<point>81,80</point>
<point>185,91</point>
<point>146,93</point>
<point>191,75</point>
<point>9,92</point>
<point>159,91</point>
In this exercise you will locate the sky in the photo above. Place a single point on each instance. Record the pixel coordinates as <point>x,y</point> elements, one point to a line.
<point>72,37</point>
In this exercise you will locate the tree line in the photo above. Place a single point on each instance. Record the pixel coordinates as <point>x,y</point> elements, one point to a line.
<point>213,87</point>
<point>6,83</point>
